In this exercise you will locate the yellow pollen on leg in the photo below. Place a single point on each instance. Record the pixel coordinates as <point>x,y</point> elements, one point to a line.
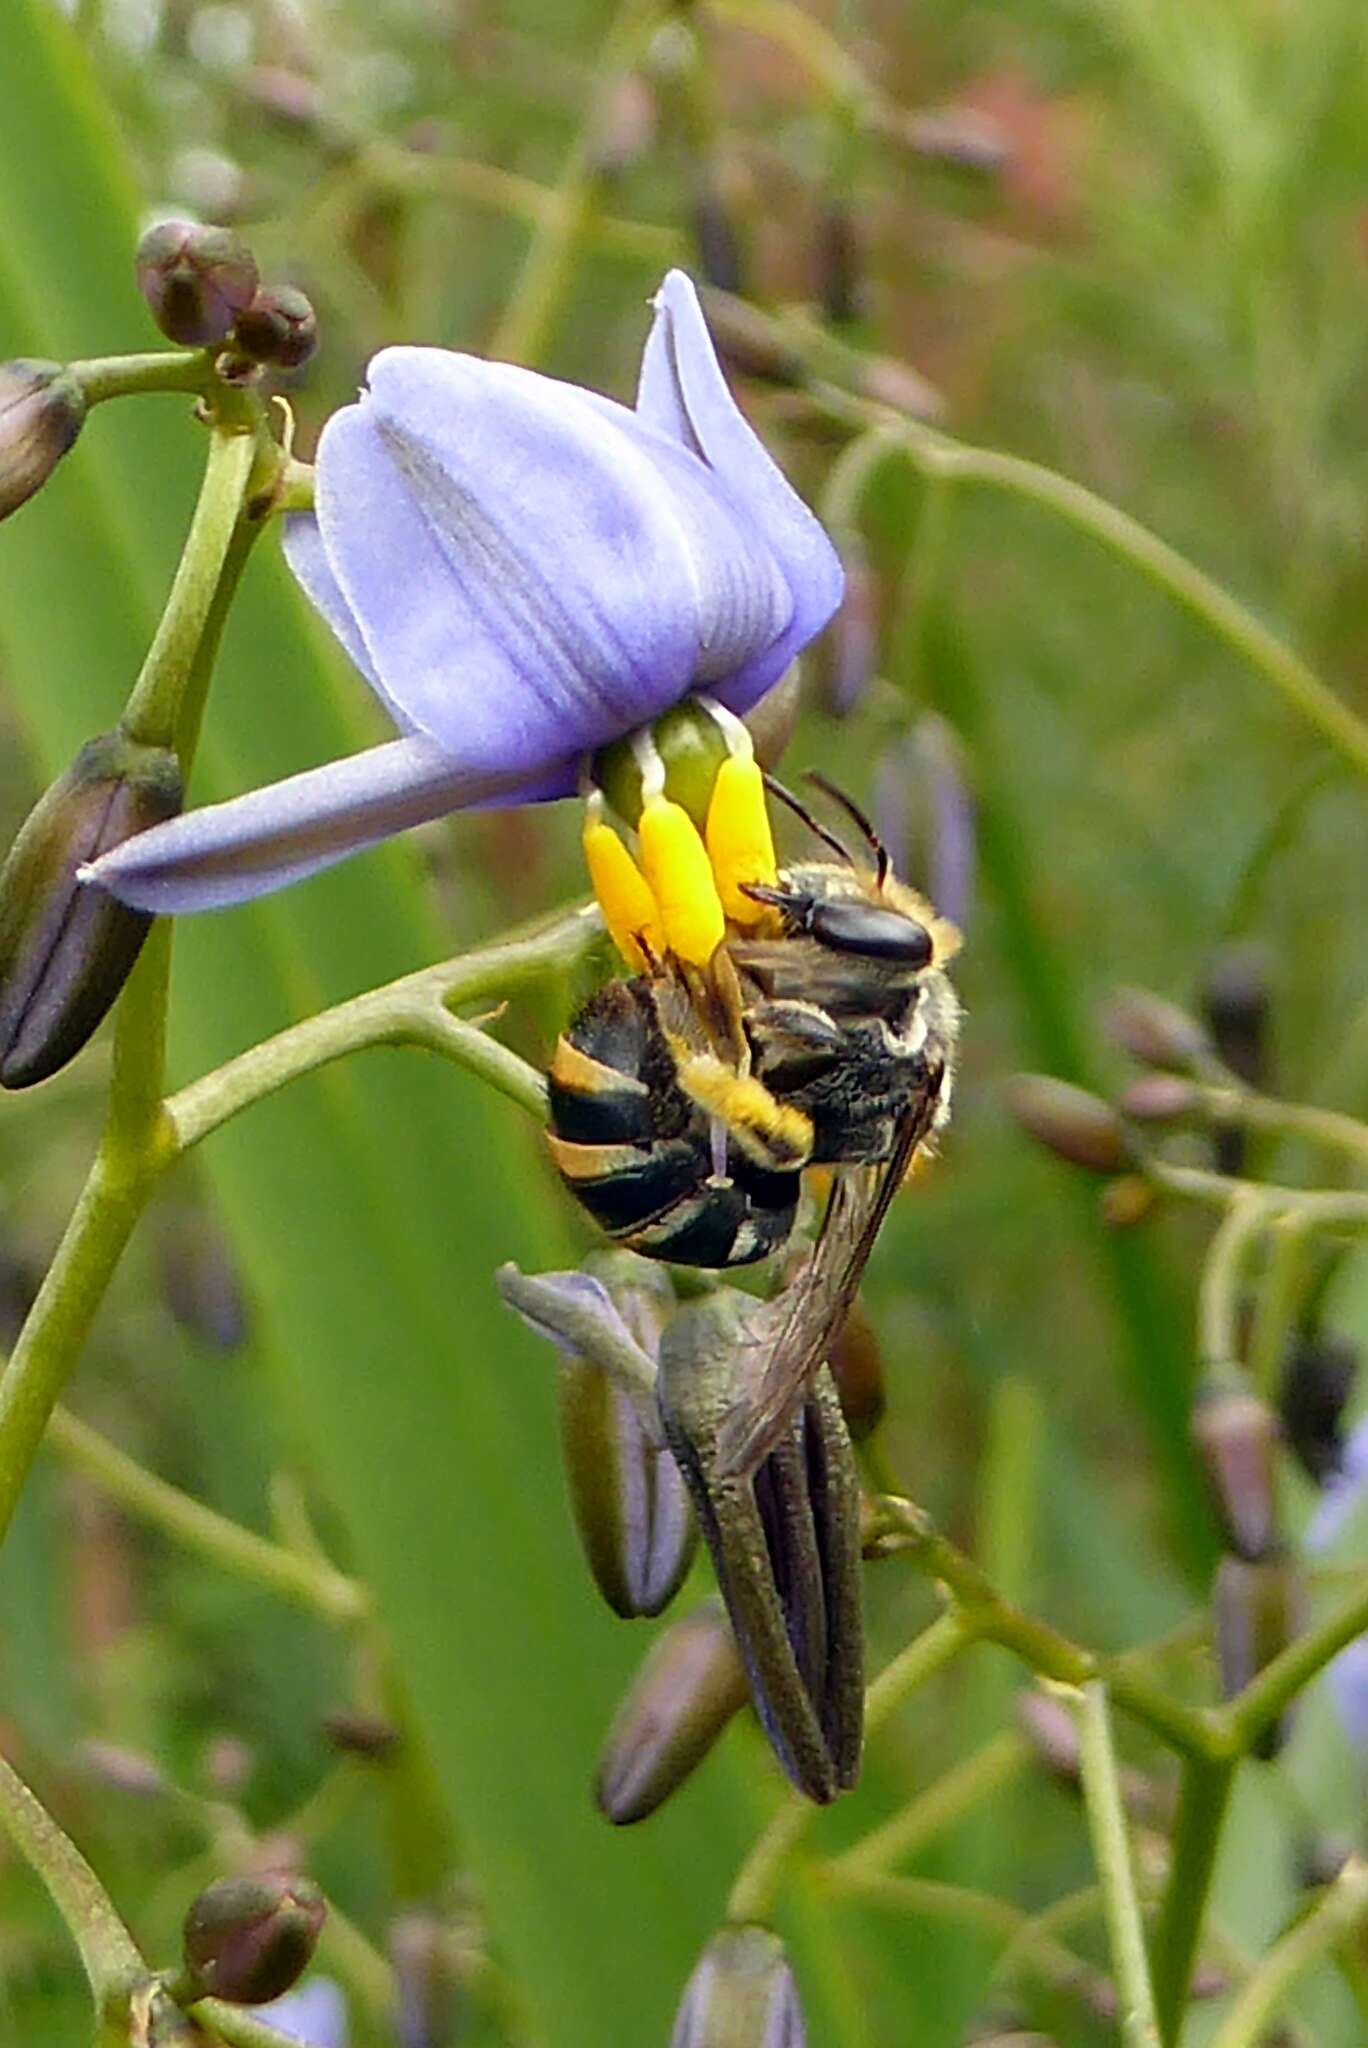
<point>624,895</point>
<point>675,861</point>
<point>740,843</point>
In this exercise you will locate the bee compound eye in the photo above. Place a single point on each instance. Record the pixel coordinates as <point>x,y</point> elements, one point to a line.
<point>872,933</point>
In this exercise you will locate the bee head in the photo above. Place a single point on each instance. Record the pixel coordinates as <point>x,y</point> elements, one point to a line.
<point>844,922</point>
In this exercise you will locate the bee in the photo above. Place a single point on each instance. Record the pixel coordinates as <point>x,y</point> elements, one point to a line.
<point>686,1107</point>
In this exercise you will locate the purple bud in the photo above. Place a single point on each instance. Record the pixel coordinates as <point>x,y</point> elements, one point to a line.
<point>280,327</point>
<point>741,1995</point>
<point>1237,1437</point>
<point>65,950</point>
<point>1155,1031</point>
<point>688,1689</point>
<point>1070,1122</point>
<point>41,410</point>
<point>248,1939</point>
<point>1160,1098</point>
<point>1257,1609</point>
<point>196,280</point>
<point>1236,999</point>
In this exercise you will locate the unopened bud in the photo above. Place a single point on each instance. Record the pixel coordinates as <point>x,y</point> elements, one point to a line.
<point>1128,1200</point>
<point>41,410</point>
<point>784,1539</point>
<point>856,1363</point>
<point>368,1736</point>
<point>1318,1379</point>
<point>127,1770</point>
<point>1077,1126</point>
<point>1237,1437</point>
<point>1236,999</point>
<point>1159,1098</point>
<point>196,280</point>
<point>720,258</point>
<point>248,1939</point>
<point>741,1995</point>
<point>424,1983</point>
<point>1155,1031</point>
<point>687,1690</point>
<point>66,950</point>
<point>838,263</point>
<point>1257,1610</point>
<point>280,327</point>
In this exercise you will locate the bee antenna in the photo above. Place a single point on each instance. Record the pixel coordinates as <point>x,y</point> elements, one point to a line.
<point>800,810</point>
<point>853,811</point>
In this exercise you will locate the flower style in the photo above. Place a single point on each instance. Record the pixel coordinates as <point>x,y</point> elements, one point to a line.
<point>523,571</point>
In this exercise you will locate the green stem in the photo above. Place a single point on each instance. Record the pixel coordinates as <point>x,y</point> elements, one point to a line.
<point>937,1808</point>
<point>1222,1273</point>
<point>1324,1208</point>
<point>111,1961</point>
<point>1337,1915</point>
<point>153,712</point>
<point>1277,1304</point>
<point>1202,1805</point>
<point>936,455</point>
<point>236,2027</point>
<point>104,377</point>
<point>1328,1127</point>
<point>1240,1723</point>
<point>189,1522</point>
<point>1115,1869</point>
<point>752,1895</point>
<point>984,1613</point>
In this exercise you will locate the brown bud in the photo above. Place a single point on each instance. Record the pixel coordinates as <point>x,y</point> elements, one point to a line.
<point>196,280</point>
<point>280,327</point>
<point>1128,1200</point>
<point>248,1939</point>
<point>1077,1126</point>
<point>1318,1379</point>
<point>363,1735</point>
<point>741,1995</point>
<point>1237,1437</point>
<point>66,949</point>
<point>838,263</point>
<point>687,1690</point>
<point>856,1363</point>
<point>41,411</point>
<point>1257,1610</point>
<point>1236,1001</point>
<point>720,257</point>
<point>1155,1031</point>
<point>1159,1098</point>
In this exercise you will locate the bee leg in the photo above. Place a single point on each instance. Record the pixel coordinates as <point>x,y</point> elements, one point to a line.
<point>772,1133</point>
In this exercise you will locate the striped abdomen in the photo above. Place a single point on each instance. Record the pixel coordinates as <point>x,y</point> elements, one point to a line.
<point>638,1154</point>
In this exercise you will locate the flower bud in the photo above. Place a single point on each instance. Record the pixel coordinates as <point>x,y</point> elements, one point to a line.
<point>856,1363</point>
<point>1256,1610</point>
<point>67,950</point>
<point>741,1995</point>
<point>1127,1200</point>
<point>784,1539</point>
<point>1155,1032</point>
<point>424,1982</point>
<point>279,327</point>
<point>1237,1438</point>
<point>687,1690</point>
<point>1318,1379</point>
<point>1236,1000</point>
<point>720,258</point>
<point>196,280</point>
<point>354,1733</point>
<point>41,410</point>
<point>1077,1126</point>
<point>247,1939</point>
<point>1159,1098</point>
<point>838,263</point>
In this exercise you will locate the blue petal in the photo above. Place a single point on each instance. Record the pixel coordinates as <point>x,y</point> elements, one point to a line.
<point>228,853</point>
<point>683,393</point>
<point>305,553</point>
<point>526,581</point>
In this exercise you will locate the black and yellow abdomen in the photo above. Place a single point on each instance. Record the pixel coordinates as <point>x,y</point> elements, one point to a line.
<point>639,1154</point>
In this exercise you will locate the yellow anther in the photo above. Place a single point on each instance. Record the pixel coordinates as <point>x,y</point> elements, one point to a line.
<point>624,895</point>
<point>676,864</point>
<point>740,844</point>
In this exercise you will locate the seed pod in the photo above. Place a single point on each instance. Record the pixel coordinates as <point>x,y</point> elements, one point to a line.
<point>1256,1611</point>
<point>785,1541</point>
<point>67,950</point>
<point>248,1939</point>
<point>1318,1379</point>
<point>687,1690</point>
<point>1154,1031</point>
<point>196,280</point>
<point>1069,1121</point>
<point>1237,1438</point>
<point>741,1995</point>
<point>41,411</point>
<point>279,327</point>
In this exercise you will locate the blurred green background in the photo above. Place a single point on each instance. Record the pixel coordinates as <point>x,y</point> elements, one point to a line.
<point>1127,238</point>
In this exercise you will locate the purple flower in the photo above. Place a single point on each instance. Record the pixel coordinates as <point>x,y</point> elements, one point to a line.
<point>523,571</point>
<point>315,2014</point>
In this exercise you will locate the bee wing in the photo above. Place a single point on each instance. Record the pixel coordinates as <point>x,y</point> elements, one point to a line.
<point>795,1331</point>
